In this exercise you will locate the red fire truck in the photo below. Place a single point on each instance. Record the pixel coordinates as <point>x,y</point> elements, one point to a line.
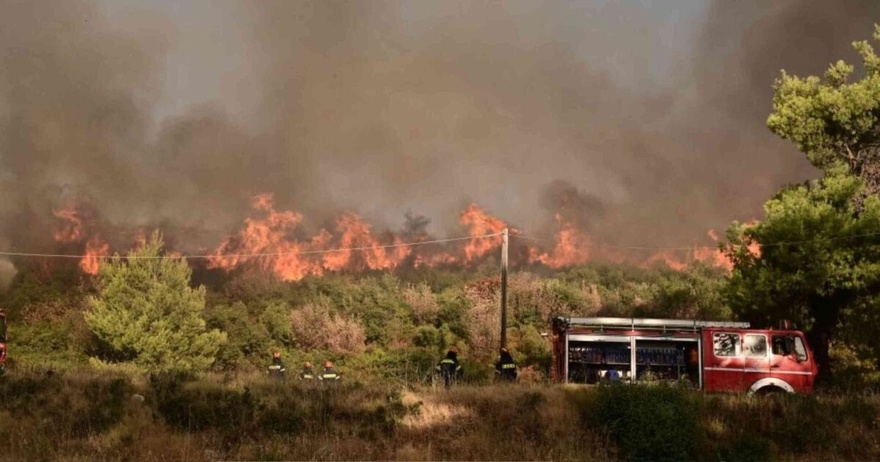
<point>708,355</point>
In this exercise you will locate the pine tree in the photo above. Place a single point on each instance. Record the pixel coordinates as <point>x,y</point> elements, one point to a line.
<point>148,314</point>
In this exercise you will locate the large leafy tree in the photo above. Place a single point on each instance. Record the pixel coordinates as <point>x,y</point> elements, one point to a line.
<point>834,121</point>
<point>818,263</point>
<point>148,314</point>
<point>819,258</point>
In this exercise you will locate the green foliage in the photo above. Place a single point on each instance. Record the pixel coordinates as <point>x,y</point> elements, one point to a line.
<point>528,348</point>
<point>433,338</point>
<point>275,319</point>
<point>147,313</point>
<point>696,293</point>
<point>819,254</point>
<point>832,121</point>
<point>245,339</point>
<point>30,291</point>
<point>818,265</point>
<point>399,367</point>
<point>453,311</point>
<point>47,344</point>
<point>651,422</point>
<point>327,313</point>
<point>375,302</point>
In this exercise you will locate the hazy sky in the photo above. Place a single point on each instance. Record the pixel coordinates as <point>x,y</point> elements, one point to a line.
<point>206,60</point>
<point>644,122</point>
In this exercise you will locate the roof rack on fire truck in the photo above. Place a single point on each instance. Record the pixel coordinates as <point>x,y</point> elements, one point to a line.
<point>646,323</point>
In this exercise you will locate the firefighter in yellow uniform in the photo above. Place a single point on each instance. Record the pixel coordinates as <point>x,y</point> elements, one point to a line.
<point>505,368</point>
<point>329,376</point>
<point>277,369</point>
<point>307,373</point>
<point>449,368</point>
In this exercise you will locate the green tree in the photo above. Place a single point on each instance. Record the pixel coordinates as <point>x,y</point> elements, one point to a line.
<point>246,339</point>
<point>833,121</point>
<point>148,314</point>
<point>818,263</point>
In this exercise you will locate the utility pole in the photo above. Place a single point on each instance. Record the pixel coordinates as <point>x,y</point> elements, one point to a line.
<point>504,288</point>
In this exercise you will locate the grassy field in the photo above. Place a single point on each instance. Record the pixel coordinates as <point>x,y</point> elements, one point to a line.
<point>86,415</point>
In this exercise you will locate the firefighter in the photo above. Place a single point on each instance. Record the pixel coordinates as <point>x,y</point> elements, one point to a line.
<point>307,373</point>
<point>277,368</point>
<point>449,368</point>
<point>505,367</point>
<point>328,375</point>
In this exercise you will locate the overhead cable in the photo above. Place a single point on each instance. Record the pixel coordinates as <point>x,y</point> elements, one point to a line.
<point>707,247</point>
<point>261,254</point>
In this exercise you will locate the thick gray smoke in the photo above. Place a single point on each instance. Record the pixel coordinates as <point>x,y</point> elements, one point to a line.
<point>645,122</point>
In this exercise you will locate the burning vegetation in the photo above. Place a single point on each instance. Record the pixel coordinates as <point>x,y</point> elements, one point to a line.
<point>278,241</point>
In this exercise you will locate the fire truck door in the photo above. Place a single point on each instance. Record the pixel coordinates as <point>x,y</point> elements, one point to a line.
<point>756,357</point>
<point>722,361</point>
<point>789,362</point>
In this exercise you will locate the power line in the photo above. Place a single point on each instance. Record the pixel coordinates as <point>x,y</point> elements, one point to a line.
<point>434,241</point>
<point>263,254</point>
<point>705,247</point>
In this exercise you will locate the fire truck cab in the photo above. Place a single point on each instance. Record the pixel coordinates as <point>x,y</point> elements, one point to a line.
<point>707,355</point>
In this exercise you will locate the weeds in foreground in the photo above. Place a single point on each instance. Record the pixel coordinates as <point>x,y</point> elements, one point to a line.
<point>89,415</point>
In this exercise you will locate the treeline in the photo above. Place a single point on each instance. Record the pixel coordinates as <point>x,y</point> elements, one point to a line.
<point>373,326</point>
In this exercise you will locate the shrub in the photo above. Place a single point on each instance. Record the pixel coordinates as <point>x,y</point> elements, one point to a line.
<point>651,422</point>
<point>315,327</point>
<point>245,338</point>
<point>147,313</point>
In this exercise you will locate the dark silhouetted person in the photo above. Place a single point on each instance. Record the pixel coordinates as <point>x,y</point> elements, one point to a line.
<point>505,368</point>
<point>449,368</point>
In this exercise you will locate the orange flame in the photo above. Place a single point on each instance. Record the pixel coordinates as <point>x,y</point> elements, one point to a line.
<point>269,242</point>
<point>73,231</point>
<point>571,248</point>
<point>292,260</point>
<point>96,250</point>
<point>265,236</point>
<point>713,257</point>
<point>356,234</point>
<point>480,223</point>
<point>72,228</point>
<point>275,241</point>
<point>680,260</point>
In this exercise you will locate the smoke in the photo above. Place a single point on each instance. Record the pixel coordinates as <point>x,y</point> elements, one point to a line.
<point>646,124</point>
<point>7,273</point>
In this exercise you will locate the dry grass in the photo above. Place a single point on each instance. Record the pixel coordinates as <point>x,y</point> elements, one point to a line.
<point>87,415</point>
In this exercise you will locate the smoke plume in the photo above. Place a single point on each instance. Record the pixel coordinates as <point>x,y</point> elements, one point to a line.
<point>644,124</point>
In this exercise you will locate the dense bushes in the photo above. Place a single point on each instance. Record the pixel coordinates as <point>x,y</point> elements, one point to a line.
<point>651,422</point>
<point>370,322</point>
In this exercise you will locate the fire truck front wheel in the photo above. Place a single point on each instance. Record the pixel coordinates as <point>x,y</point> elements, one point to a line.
<point>768,386</point>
